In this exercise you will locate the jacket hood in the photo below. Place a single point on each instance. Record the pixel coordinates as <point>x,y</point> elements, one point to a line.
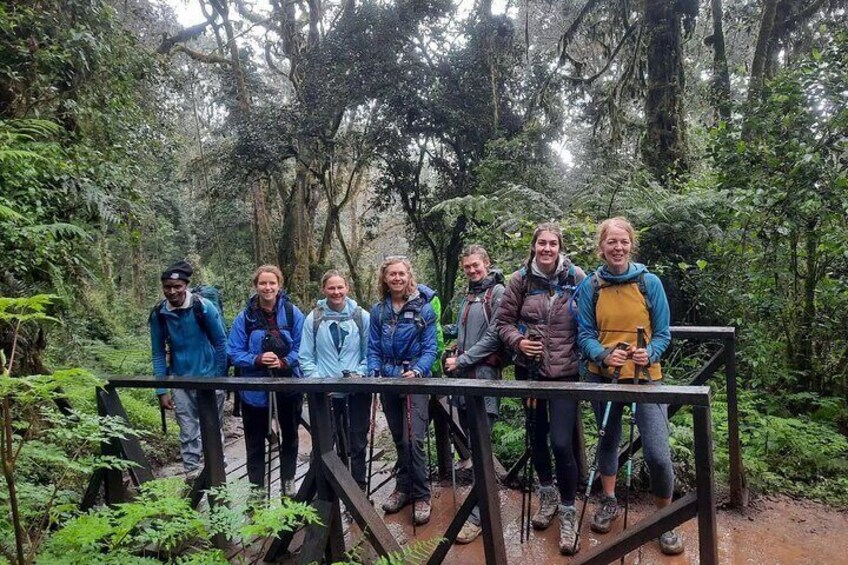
<point>563,264</point>
<point>426,292</point>
<point>494,276</point>
<point>633,271</point>
<point>350,306</point>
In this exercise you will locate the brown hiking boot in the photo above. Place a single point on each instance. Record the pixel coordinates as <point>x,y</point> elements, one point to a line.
<point>395,503</point>
<point>421,512</point>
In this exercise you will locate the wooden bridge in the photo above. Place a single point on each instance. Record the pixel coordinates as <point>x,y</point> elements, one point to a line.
<point>328,481</point>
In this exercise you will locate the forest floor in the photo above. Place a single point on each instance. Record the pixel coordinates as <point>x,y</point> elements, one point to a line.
<point>771,530</point>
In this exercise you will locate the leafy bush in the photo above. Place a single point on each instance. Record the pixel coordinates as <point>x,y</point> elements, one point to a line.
<point>160,525</point>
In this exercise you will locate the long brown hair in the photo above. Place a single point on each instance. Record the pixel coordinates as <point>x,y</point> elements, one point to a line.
<point>548,227</point>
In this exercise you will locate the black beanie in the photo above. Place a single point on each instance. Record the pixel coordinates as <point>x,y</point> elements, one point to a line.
<point>180,270</point>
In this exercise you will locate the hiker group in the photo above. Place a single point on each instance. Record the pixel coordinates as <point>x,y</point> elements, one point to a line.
<point>550,319</point>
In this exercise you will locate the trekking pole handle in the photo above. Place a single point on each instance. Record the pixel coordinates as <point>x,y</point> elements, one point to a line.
<point>621,346</point>
<point>640,344</point>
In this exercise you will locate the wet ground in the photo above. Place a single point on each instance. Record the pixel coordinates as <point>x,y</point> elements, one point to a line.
<point>772,530</point>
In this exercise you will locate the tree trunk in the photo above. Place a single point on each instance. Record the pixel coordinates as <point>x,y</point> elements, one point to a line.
<point>761,51</point>
<point>721,74</point>
<point>664,146</point>
<point>804,353</point>
<point>295,244</point>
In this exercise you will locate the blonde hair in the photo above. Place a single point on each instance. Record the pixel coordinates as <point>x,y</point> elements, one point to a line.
<point>273,269</point>
<point>618,222</point>
<point>383,288</point>
<point>548,227</point>
<point>333,273</point>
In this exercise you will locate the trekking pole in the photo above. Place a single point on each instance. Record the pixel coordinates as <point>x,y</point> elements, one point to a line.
<point>594,467</point>
<point>637,378</point>
<point>451,439</point>
<point>409,471</point>
<point>164,420</point>
<point>374,401</point>
<point>270,437</point>
<point>346,424</point>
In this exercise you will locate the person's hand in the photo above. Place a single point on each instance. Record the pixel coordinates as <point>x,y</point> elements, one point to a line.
<point>269,359</point>
<point>166,402</point>
<point>530,348</point>
<point>450,364</point>
<point>617,357</point>
<point>409,374</point>
<point>640,357</point>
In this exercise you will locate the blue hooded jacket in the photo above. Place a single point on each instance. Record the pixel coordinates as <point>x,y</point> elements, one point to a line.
<point>319,354</point>
<point>244,349</point>
<point>587,337</point>
<point>194,353</point>
<point>406,336</point>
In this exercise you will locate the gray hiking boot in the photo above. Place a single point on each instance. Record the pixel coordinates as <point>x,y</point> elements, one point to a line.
<point>395,503</point>
<point>568,544</point>
<point>671,543</point>
<point>602,519</point>
<point>548,502</point>
<point>421,512</point>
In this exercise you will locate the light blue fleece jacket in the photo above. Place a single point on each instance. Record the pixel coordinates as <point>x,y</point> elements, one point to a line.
<point>587,337</point>
<point>319,356</point>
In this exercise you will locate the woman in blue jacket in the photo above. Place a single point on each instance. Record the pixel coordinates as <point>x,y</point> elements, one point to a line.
<point>335,344</point>
<point>402,344</point>
<point>264,342</point>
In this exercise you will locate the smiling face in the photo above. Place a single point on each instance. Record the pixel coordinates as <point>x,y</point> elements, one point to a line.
<point>267,287</point>
<point>475,267</point>
<point>335,291</point>
<point>615,248</point>
<point>174,291</point>
<point>546,251</point>
<point>396,276</point>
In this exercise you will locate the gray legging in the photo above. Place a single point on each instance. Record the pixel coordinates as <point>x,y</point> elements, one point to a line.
<point>652,421</point>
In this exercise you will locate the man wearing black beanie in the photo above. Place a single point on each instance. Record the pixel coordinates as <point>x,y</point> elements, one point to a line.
<point>188,339</point>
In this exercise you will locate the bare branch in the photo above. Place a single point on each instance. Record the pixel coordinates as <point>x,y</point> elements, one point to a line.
<point>202,57</point>
<point>186,34</point>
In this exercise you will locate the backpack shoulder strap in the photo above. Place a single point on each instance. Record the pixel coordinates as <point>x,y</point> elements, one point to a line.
<point>156,313</point>
<point>487,303</point>
<point>317,316</point>
<point>288,308</point>
<point>642,283</point>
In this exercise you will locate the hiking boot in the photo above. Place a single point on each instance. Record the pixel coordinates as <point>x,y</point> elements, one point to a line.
<point>568,544</point>
<point>289,488</point>
<point>421,512</point>
<point>548,502</point>
<point>468,533</point>
<point>395,503</point>
<point>602,519</point>
<point>192,475</point>
<point>671,543</point>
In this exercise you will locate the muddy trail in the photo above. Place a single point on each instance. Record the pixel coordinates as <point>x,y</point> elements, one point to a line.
<point>771,530</point>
